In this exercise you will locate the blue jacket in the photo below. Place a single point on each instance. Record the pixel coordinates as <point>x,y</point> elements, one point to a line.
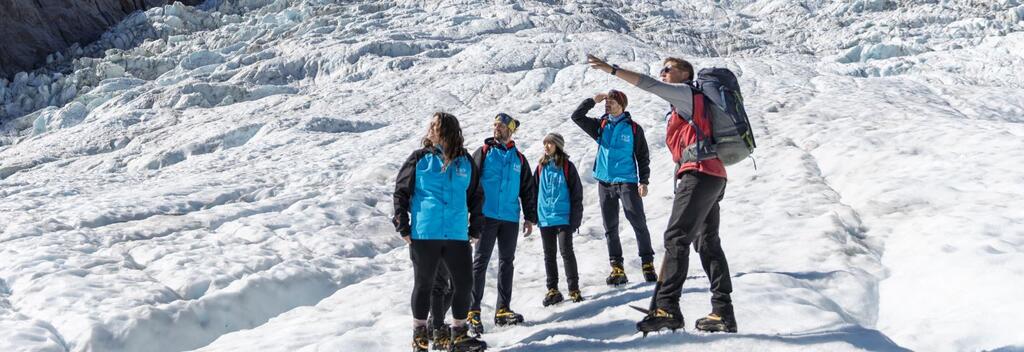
<point>506,179</point>
<point>615,162</point>
<point>444,203</point>
<point>622,152</point>
<point>559,195</point>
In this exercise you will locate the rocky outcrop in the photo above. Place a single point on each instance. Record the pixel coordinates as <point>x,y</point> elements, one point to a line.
<point>115,58</point>
<point>32,29</point>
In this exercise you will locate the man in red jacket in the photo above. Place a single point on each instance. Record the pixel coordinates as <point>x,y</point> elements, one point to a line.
<point>695,212</point>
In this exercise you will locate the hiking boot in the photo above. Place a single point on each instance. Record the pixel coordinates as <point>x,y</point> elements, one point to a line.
<point>553,297</point>
<point>576,296</point>
<point>618,276</point>
<point>442,338</point>
<point>649,274</point>
<point>475,325</point>
<point>431,328</point>
<point>461,341</point>
<point>420,339</point>
<point>506,316</point>
<point>716,323</point>
<point>660,319</point>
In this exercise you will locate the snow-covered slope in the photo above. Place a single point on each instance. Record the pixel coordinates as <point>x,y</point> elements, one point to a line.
<point>226,183</point>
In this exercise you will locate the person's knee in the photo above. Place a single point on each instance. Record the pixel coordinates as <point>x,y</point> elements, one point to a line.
<point>566,246</point>
<point>481,255</point>
<point>677,245</point>
<point>441,291</point>
<point>480,264</point>
<point>550,250</point>
<point>506,262</point>
<point>424,282</point>
<point>421,290</point>
<point>701,248</point>
<point>640,226</point>
<point>566,251</point>
<point>707,245</point>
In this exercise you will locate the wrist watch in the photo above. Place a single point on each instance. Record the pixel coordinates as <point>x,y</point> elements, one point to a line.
<point>615,68</point>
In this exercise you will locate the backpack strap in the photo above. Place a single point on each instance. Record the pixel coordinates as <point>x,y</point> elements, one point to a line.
<point>600,130</point>
<point>691,120</point>
<point>483,156</point>
<point>487,147</point>
<point>700,146</point>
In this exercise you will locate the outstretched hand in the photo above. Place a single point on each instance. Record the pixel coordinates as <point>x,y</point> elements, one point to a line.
<point>624,74</point>
<point>598,63</point>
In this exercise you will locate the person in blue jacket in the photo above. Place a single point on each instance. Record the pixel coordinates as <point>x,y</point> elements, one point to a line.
<point>622,169</point>
<point>506,179</point>
<point>437,211</point>
<point>559,212</point>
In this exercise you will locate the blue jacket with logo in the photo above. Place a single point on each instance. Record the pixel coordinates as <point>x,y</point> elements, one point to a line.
<point>559,195</point>
<point>444,202</point>
<point>622,152</point>
<point>506,179</point>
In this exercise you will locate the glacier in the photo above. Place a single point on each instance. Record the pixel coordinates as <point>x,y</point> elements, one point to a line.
<point>218,177</point>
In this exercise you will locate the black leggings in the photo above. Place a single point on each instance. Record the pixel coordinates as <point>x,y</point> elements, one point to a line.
<point>427,255</point>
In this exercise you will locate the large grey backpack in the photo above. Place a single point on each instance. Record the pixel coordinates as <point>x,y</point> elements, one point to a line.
<point>732,139</point>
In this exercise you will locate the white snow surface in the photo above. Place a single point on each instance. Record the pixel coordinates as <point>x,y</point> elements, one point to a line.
<point>221,178</point>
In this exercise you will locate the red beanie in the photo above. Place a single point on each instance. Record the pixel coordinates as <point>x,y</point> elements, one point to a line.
<point>618,97</point>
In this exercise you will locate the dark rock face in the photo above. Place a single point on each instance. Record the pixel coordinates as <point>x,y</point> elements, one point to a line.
<point>32,29</point>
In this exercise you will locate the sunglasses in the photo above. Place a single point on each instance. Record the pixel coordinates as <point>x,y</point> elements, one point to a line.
<point>665,69</point>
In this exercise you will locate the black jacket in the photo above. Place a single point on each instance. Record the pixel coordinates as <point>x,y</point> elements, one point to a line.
<point>592,127</point>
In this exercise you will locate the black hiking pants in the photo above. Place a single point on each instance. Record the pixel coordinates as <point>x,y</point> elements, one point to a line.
<point>556,238</point>
<point>427,255</point>
<point>505,234</point>
<point>695,219</point>
<point>609,196</point>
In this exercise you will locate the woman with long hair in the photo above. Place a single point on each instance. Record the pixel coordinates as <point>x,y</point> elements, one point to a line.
<point>437,211</point>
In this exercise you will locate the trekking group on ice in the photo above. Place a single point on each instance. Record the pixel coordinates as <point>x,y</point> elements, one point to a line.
<point>448,201</point>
